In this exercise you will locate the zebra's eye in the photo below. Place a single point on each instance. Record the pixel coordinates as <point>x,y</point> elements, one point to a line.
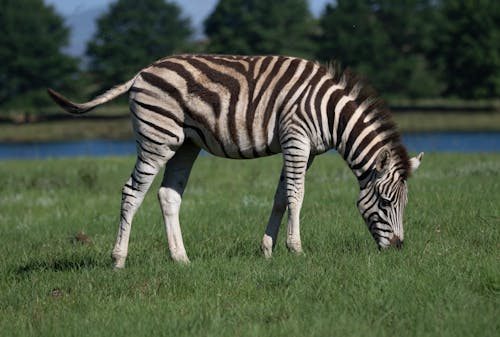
<point>385,202</point>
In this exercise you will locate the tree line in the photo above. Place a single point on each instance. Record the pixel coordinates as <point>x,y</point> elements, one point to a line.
<point>405,48</point>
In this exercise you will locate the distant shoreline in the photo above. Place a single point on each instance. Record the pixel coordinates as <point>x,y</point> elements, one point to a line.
<point>113,126</point>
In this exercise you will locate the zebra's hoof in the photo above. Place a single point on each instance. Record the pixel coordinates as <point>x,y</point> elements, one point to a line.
<point>267,246</point>
<point>118,262</point>
<point>295,248</point>
<point>298,252</point>
<point>181,259</point>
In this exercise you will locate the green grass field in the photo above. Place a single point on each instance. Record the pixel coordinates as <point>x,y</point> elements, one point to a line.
<point>444,282</point>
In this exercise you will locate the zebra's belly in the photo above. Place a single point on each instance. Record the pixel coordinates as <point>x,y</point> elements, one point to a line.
<point>226,147</point>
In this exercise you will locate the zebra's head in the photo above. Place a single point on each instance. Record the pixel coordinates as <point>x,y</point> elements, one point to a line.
<point>383,198</point>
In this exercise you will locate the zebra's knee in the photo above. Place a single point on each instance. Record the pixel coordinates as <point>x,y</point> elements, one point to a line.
<point>170,200</point>
<point>127,188</point>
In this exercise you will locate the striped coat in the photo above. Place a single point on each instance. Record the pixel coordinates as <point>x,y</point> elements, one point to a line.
<point>252,106</point>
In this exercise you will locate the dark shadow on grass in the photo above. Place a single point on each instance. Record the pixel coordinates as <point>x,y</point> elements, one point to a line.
<point>242,248</point>
<point>57,265</point>
<point>347,244</point>
<point>355,244</point>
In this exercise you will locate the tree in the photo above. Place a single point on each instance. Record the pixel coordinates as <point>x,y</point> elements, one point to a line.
<point>30,52</point>
<point>133,34</point>
<point>261,27</point>
<point>385,41</point>
<point>468,47</point>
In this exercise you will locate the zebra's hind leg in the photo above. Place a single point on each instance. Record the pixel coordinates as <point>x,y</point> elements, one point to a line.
<point>170,196</point>
<point>273,225</point>
<point>133,193</point>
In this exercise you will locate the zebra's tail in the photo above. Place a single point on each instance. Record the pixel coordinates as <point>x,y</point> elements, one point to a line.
<point>80,108</point>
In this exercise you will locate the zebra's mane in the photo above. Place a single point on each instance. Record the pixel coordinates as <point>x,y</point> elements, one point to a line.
<point>383,113</point>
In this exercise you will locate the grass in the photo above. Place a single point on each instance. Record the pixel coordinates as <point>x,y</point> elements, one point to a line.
<point>66,130</point>
<point>445,282</point>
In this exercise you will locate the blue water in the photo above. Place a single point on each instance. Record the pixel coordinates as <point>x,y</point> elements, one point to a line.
<point>427,142</point>
<point>82,148</point>
<point>453,142</point>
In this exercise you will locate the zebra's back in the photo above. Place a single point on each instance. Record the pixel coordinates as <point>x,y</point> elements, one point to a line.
<point>232,106</point>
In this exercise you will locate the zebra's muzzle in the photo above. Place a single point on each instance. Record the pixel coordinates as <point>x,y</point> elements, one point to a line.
<point>395,241</point>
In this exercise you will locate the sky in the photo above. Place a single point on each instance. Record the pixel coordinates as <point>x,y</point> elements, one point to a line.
<point>80,16</point>
<point>194,8</point>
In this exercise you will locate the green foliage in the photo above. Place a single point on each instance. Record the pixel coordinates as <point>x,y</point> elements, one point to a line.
<point>31,38</point>
<point>468,47</point>
<point>444,282</point>
<point>406,49</point>
<point>417,48</point>
<point>261,27</point>
<point>132,34</point>
<point>385,41</point>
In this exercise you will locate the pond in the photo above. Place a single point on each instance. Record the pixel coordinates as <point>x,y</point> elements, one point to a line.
<point>427,142</point>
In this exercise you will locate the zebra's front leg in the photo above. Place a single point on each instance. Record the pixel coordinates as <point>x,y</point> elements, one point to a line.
<point>133,193</point>
<point>296,159</point>
<point>279,208</point>
<point>170,196</point>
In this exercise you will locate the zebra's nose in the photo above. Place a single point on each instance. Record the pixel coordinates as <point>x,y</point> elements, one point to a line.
<point>396,242</point>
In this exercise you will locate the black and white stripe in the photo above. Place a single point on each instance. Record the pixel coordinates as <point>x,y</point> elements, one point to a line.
<point>252,106</point>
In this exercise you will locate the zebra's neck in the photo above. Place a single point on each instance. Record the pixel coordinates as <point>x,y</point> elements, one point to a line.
<point>361,126</point>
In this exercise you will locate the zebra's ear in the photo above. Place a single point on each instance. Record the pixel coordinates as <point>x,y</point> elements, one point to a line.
<point>415,162</point>
<point>383,160</point>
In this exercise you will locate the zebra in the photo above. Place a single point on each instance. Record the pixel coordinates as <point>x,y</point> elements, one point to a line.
<point>243,107</point>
